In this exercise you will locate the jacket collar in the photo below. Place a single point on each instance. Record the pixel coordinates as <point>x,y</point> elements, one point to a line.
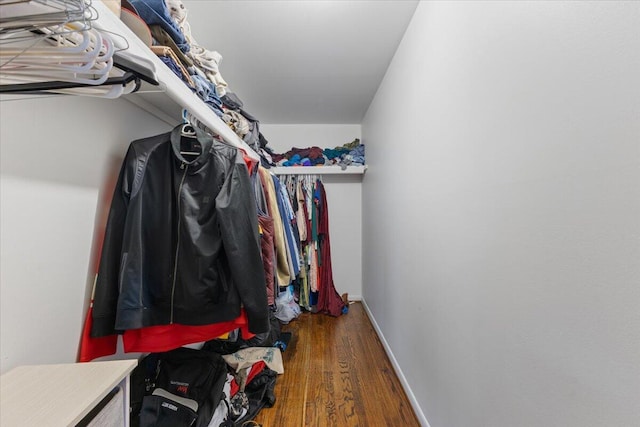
<point>206,143</point>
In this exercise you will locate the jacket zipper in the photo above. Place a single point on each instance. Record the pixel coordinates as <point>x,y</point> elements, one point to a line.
<point>175,263</point>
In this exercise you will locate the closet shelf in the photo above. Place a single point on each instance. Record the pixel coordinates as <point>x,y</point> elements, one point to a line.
<point>318,170</point>
<point>167,100</point>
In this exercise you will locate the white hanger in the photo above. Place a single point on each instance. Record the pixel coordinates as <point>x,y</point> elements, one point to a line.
<point>18,14</point>
<point>63,49</point>
<point>84,57</point>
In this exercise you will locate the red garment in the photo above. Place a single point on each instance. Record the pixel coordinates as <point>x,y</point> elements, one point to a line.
<point>155,339</point>
<point>329,301</point>
<point>251,164</point>
<point>255,369</point>
<point>268,255</point>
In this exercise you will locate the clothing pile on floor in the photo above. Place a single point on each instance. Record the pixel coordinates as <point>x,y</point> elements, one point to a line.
<point>224,383</point>
<point>348,154</point>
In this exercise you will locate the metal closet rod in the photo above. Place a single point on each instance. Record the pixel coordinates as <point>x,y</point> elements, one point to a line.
<point>132,73</point>
<point>43,87</point>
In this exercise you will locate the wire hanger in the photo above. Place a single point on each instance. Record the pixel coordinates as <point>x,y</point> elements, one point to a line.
<point>84,57</point>
<point>24,16</point>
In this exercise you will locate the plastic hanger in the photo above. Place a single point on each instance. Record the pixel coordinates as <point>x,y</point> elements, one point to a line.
<point>93,67</point>
<point>189,132</point>
<point>65,56</point>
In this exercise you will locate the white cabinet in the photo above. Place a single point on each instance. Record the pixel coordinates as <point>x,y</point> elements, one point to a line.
<point>61,395</point>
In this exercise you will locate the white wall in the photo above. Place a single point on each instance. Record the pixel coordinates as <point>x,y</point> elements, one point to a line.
<point>344,196</point>
<point>502,212</point>
<point>54,154</point>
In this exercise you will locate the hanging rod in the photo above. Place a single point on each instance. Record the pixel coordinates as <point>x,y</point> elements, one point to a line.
<point>44,87</point>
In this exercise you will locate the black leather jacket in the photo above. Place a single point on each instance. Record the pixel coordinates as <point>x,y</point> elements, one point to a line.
<point>182,243</point>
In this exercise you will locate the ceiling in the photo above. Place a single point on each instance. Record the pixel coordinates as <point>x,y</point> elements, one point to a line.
<point>302,61</point>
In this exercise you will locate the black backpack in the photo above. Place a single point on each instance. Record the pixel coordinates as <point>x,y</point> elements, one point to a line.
<point>181,387</point>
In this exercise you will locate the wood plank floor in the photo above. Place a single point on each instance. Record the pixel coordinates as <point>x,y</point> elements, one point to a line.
<point>337,374</point>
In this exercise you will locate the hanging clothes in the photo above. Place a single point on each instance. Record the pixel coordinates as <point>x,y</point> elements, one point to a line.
<point>283,274</point>
<point>168,337</point>
<point>267,245</point>
<point>302,217</point>
<point>268,255</point>
<point>305,204</point>
<point>286,213</point>
<point>314,275</point>
<point>182,243</point>
<point>301,212</point>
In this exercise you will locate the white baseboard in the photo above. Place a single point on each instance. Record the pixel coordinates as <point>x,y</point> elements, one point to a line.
<point>355,297</point>
<point>403,380</point>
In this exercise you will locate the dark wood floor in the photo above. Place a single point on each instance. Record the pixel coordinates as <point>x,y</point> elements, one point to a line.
<point>337,374</point>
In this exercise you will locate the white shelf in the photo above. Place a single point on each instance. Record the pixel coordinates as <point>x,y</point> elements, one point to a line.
<point>60,395</point>
<point>318,170</point>
<point>167,100</point>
